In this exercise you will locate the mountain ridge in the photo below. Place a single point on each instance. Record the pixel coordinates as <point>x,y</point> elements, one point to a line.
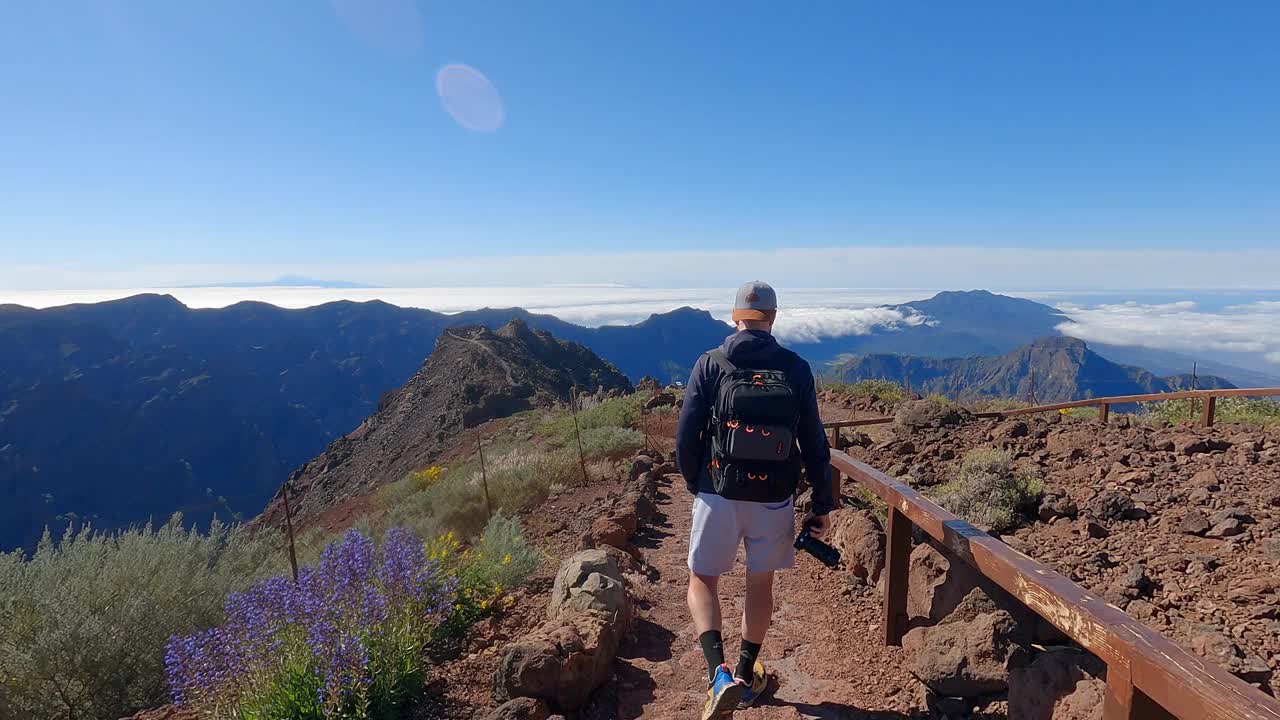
<point>208,410</point>
<point>1059,368</point>
<point>473,375</point>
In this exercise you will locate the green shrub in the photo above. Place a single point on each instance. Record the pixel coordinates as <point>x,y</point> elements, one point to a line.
<point>988,491</point>
<point>610,443</point>
<point>84,621</point>
<point>623,412</point>
<point>501,561</point>
<point>886,390</point>
<point>940,399</point>
<point>1254,411</point>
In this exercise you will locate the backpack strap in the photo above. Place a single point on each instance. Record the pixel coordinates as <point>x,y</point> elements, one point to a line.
<point>719,356</point>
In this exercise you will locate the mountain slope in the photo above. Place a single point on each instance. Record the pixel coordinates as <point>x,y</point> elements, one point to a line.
<point>1061,369</point>
<point>473,375</point>
<point>119,411</point>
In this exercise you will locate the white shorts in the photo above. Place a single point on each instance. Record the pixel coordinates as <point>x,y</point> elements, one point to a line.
<point>719,525</point>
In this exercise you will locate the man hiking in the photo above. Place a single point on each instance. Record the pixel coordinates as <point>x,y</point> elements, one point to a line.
<point>748,424</point>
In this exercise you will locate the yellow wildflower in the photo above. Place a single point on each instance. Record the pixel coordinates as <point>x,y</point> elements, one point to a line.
<point>507,560</point>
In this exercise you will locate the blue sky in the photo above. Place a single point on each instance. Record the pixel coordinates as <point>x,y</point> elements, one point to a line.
<point>159,142</point>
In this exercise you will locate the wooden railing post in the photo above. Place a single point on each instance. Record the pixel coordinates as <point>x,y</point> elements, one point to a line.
<point>897,567</point>
<point>837,482</point>
<point>1210,406</point>
<point>1104,410</point>
<point>1118,703</point>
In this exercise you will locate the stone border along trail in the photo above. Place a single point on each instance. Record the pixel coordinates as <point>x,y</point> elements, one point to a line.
<point>823,650</point>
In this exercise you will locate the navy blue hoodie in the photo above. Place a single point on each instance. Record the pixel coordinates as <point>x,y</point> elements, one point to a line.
<point>758,350</point>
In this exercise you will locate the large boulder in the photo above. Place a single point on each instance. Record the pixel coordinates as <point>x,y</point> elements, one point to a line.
<point>965,659</point>
<point>640,465</point>
<point>1060,684</point>
<point>860,539</point>
<point>562,662</point>
<point>941,589</point>
<point>936,584</point>
<point>606,532</point>
<point>591,581</point>
<point>920,414</point>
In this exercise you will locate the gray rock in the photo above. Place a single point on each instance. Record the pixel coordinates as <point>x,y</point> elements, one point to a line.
<point>592,581</point>
<point>1195,523</point>
<point>1227,528</point>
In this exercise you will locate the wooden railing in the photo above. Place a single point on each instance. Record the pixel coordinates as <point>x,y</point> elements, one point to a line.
<point>1104,404</point>
<point>1148,676</point>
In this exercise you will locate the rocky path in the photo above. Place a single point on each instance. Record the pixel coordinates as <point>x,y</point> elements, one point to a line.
<point>823,649</point>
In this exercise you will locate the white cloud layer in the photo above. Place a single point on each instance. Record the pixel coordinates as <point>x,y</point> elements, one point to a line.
<point>850,266</point>
<point>809,314</point>
<point>1248,328</point>
<point>811,324</point>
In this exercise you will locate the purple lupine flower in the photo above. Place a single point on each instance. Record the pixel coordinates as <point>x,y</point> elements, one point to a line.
<point>339,610</point>
<point>347,672</point>
<point>404,569</point>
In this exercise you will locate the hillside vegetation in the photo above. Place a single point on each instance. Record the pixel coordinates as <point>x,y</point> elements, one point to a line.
<point>103,624</point>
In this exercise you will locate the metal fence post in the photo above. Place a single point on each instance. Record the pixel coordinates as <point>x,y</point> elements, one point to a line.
<point>288,524</point>
<point>484,478</point>
<point>1104,411</point>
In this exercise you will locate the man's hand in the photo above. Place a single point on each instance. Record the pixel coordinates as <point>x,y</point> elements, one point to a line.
<point>818,524</point>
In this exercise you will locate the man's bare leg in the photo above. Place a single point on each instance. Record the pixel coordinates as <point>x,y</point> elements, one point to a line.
<point>704,602</point>
<point>759,611</point>
<point>704,607</point>
<point>756,618</point>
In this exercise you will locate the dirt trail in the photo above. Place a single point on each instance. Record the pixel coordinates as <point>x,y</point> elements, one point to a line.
<point>506,367</point>
<point>823,649</point>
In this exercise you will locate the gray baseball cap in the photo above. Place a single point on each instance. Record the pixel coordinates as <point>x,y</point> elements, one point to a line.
<point>756,301</point>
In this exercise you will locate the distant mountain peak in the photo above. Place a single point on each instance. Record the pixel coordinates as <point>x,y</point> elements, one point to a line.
<point>681,314</point>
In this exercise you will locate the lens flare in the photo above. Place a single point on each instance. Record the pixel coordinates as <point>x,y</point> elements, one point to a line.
<point>470,98</point>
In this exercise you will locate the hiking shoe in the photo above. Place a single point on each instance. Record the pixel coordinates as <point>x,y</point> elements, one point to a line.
<point>724,695</point>
<point>754,689</point>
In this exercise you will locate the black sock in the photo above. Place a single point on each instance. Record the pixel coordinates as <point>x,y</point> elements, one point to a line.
<point>747,660</point>
<point>713,650</point>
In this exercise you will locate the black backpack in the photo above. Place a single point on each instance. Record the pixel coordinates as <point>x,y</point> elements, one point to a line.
<point>753,434</point>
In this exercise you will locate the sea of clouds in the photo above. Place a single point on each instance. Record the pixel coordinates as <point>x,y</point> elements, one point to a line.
<point>1247,327</point>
